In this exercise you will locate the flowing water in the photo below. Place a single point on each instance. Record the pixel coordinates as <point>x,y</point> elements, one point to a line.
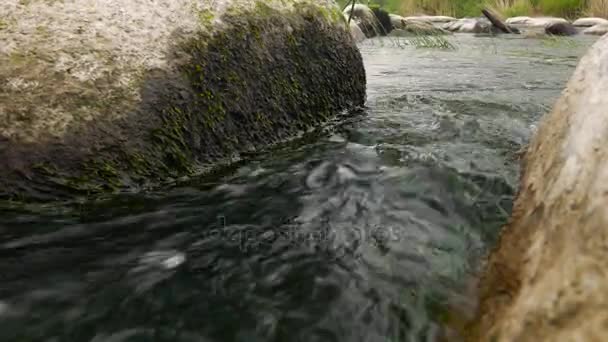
<point>371,229</point>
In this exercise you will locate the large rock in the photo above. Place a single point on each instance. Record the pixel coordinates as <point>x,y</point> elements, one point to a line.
<point>560,29</point>
<point>535,21</point>
<point>589,22</point>
<point>105,95</point>
<point>547,280</point>
<point>598,30</point>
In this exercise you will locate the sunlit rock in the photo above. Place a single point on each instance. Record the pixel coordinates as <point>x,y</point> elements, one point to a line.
<point>467,25</point>
<point>535,21</point>
<point>107,95</point>
<point>598,30</point>
<point>431,18</point>
<point>547,280</point>
<point>589,22</point>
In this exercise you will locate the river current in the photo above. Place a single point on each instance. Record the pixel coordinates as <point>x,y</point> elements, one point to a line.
<point>371,228</point>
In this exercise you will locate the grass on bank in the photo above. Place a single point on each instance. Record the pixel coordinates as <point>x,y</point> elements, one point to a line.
<point>508,8</point>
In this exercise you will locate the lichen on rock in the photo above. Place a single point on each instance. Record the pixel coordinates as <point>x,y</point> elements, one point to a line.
<point>107,95</point>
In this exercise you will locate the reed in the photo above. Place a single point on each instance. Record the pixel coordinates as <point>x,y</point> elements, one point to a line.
<point>596,8</point>
<point>511,8</point>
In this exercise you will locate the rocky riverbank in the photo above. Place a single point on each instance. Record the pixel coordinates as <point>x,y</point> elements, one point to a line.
<point>369,22</point>
<point>107,96</point>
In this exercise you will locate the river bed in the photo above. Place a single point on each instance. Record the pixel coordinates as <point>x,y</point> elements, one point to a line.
<point>372,230</point>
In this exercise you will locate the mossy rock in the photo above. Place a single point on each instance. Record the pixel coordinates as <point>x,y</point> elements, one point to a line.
<point>139,101</point>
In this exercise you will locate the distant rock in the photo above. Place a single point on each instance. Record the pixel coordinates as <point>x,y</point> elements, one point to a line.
<point>417,28</point>
<point>598,30</point>
<point>560,29</point>
<point>589,22</point>
<point>468,25</point>
<point>535,21</point>
<point>431,18</point>
<point>384,20</point>
<point>373,22</point>
<point>364,17</point>
<point>397,21</point>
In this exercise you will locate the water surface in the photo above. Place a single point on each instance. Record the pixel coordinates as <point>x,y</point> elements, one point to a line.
<point>372,230</point>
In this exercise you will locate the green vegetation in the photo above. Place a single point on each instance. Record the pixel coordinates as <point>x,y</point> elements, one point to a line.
<point>508,8</point>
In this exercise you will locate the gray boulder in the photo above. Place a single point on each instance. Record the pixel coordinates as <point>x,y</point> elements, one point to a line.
<point>118,95</point>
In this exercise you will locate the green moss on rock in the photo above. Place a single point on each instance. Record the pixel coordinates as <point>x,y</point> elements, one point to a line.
<point>262,78</point>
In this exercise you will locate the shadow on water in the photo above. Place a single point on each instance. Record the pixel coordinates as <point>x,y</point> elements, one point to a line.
<point>371,231</point>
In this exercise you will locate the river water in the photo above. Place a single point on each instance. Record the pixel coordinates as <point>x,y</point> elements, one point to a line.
<point>370,229</point>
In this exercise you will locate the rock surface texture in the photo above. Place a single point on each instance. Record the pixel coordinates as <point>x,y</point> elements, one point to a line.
<point>547,280</point>
<point>535,21</point>
<point>597,30</point>
<point>589,22</point>
<point>105,95</point>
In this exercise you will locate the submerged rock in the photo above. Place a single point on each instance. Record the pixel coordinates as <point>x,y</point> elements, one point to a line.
<point>547,280</point>
<point>109,95</point>
<point>560,29</point>
<point>598,30</point>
